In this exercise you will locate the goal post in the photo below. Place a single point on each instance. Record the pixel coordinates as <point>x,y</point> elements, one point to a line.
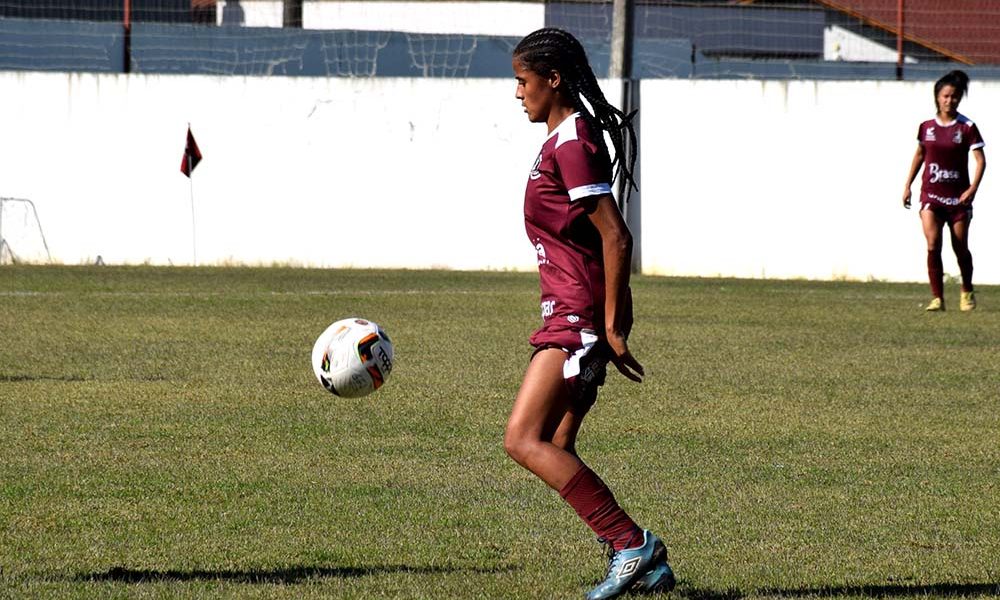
<point>21,235</point>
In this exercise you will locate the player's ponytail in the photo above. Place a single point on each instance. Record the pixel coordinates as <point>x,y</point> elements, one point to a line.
<point>957,79</point>
<point>551,49</point>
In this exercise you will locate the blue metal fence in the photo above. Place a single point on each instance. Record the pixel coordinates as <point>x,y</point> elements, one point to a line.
<point>669,41</point>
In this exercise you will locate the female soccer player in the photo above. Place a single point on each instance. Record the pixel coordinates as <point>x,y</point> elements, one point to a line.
<point>946,194</point>
<point>584,255</point>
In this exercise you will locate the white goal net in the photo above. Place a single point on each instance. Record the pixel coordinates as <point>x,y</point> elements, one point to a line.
<point>21,236</point>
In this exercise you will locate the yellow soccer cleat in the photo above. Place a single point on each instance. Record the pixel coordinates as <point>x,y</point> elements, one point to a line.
<point>967,301</point>
<point>935,305</point>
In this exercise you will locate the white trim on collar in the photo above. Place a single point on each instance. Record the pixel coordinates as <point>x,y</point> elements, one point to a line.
<point>959,118</point>
<point>565,124</point>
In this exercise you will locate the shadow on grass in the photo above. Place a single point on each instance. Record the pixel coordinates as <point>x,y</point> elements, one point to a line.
<point>290,575</point>
<point>938,590</point>
<point>18,377</point>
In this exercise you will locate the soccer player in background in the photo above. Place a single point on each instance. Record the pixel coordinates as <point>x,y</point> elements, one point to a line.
<point>946,193</point>
<point>584,253</point>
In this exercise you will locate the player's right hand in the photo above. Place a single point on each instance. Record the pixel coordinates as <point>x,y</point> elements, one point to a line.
<point>906,198</point>
<point>623,360</point>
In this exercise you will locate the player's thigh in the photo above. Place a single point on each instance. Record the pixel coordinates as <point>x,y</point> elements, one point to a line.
<point>960,230</point>
<point>542,400</point>
<point>932,225</point>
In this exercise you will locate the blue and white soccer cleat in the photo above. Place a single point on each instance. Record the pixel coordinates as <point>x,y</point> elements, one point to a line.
<point>658,579</point>
<point>625,567</point>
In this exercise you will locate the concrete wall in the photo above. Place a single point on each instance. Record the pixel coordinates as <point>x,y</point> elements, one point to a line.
<point>741,178</point>
<point>315,171</point>
<point>492,18</point>
<point>798,179</point>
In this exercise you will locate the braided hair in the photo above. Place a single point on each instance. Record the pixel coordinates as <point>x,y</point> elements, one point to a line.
<point>550,49</point>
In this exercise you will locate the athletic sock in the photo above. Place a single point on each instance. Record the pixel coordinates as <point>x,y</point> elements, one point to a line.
<point>596,505</point>
<point>965,267</point>
<point>935,272</point>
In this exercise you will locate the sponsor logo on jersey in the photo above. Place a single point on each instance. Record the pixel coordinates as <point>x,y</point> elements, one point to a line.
<point>573,319</point>
<point>535,173</point>
<point>944,200</point>
<point>929,136</point>
<point>540,250</point>
<point>945,175</point>
<point>548,308</point>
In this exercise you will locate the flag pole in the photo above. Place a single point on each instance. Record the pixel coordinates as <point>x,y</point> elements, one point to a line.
<point>194,247</point>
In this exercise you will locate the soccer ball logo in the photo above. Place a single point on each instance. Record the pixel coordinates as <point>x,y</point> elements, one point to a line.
<point>352,358</point>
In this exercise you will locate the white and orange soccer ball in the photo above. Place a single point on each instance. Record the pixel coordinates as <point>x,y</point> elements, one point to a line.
<point>352,358</point>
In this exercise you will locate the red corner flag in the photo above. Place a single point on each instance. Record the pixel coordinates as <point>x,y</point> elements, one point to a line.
<point>192,155</point>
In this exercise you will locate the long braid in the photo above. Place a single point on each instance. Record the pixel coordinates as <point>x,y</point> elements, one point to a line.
<point>551,49</point>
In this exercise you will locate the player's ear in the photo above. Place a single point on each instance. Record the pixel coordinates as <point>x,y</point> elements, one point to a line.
<point>555,79</point>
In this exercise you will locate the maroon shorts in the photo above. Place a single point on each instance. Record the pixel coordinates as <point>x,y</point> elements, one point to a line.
<point>949,214</point>
<point>587,358</point>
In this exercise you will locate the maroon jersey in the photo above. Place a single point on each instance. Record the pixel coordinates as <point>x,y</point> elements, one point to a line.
<point>570,169</point>
<point>946,159</point>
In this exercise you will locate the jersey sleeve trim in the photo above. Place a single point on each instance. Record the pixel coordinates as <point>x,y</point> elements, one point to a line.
<point>977,146</point>
<point>593,189</point>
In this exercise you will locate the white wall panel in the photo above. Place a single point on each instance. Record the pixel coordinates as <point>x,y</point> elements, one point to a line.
<point>791,179</point>
<point>739,178</point>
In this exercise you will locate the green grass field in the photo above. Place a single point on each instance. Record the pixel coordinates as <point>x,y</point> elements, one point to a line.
<point>163,437</point>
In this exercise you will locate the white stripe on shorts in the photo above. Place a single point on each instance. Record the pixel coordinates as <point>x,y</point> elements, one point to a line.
<point>571,368</point>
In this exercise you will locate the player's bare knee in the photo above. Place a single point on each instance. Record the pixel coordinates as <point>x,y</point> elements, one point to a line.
<point>516,446</point>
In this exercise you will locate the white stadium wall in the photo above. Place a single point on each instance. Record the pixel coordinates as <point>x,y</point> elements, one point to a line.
<point>470,18</point>
<point>423,16</point>
<point>739,178</point>
<point>332,172</point>
<point>789,179</point>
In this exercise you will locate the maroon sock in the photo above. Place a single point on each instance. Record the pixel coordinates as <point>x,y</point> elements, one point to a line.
<point>965,267</point>
<point>596,505</point>
<point>935,272</point>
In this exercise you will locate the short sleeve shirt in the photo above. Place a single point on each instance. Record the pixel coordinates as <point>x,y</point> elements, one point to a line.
<point>570,170</point>
<point>946,158</point>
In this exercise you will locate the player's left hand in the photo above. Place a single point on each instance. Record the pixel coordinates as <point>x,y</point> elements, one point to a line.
<point>967,196</point>
<point>623,360</point>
